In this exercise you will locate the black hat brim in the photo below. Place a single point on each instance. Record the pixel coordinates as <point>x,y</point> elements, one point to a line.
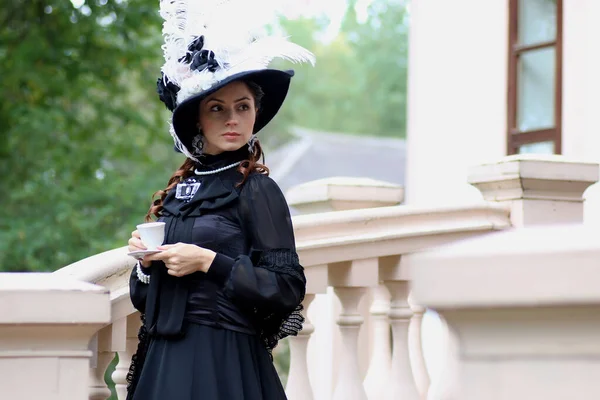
<point>274,83</point>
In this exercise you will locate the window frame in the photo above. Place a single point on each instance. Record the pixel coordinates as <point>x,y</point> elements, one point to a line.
<point>516,138</point>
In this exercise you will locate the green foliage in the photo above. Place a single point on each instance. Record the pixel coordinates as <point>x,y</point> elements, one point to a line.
<point>359,82</point>
<point>281,360</point>
<point>82,130</point>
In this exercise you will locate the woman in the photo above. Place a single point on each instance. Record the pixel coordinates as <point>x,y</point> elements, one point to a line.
<point>227,284</point>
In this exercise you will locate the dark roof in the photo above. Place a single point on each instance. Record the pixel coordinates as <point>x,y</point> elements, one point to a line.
<point>316,155</point>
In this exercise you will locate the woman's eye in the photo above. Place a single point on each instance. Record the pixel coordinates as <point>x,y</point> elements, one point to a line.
<point>215,108</point>
<point>244,107</point>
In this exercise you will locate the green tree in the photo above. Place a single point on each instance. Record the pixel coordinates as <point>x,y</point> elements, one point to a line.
<point>83,133</point>
<point>382,43</point>
<point>359,82</point>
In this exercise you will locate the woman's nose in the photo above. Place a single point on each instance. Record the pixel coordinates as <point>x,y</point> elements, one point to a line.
<point>231,119</point>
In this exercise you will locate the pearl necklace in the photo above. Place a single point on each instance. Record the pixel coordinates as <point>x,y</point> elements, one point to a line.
<point>216,171</point>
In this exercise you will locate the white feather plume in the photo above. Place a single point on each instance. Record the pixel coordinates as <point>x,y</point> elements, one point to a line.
<point>235,30</point>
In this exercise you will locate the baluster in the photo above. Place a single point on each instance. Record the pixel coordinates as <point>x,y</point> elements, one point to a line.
<point>349,384</point>
<point>415,343</point>
<point>298,386</point>
<point>381,358</point>
<point>350,281</point>
<point>129,328</point>
<point>401,383</point>
<point>444,383</point>
<point>100,346</point>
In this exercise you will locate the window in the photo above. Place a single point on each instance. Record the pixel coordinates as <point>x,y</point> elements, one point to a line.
<point>534,76</point>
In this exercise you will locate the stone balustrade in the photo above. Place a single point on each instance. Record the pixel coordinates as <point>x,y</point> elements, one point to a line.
<point>349,251</point>
<point>524,307</point>
<point>369,260</point>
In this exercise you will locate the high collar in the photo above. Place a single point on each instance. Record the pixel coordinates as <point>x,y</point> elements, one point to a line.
<point>209,162</point>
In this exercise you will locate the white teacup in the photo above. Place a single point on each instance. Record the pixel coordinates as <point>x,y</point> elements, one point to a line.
<point>152,234</point>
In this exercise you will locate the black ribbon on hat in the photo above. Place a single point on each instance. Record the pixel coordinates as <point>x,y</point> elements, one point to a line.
<point>198,58</point>
<point>204,59</point>
<point>167,91</point>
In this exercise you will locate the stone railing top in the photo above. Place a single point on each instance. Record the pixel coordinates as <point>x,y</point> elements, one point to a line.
<point>521,267</point>
<point>378,232</point>
<point>366,223</point>
<point>37,298</point>
<point>43,281</point>
<point>101,268</point>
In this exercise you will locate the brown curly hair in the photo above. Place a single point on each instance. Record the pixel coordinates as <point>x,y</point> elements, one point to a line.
<point>187,168</point>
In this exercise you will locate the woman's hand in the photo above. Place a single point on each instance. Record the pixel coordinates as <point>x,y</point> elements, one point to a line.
<point>135,244</point>
<point>183,259</point>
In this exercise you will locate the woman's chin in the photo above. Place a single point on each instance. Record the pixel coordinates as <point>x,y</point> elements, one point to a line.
<point>232,145</point>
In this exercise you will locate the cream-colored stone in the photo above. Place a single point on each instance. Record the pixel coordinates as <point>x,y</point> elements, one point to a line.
<point>532,176</point>
<point>343,193</point>
<point>355,234</point>
<point>540,265</point>
<point>316,279</point>
<point>46,323</point>
<point>524,306</point>
<point>357,273</point>
<point>539,190</point>
<point>37,298</point>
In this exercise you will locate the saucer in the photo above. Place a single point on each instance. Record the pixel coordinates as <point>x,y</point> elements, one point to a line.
<point>141,253</point>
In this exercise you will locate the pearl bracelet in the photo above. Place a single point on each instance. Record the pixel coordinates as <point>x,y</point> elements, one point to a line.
<point>140,274</point>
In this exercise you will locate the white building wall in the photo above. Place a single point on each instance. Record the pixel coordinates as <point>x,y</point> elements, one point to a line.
<point>457,95</point>
<point>457,100</point>
<point>581,90</point>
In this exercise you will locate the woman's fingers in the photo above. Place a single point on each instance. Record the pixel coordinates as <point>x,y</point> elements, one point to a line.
<point>136,244</point>
<point>173,272</point>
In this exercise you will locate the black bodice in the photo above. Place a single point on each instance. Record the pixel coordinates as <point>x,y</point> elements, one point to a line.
<point>255,282</point>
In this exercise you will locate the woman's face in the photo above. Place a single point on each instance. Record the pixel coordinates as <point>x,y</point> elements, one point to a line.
<point>227,118</point>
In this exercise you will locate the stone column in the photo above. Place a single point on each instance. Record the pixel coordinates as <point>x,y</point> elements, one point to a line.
<point>46,324</point>
<point>524,305</point>
<point>539,190</point>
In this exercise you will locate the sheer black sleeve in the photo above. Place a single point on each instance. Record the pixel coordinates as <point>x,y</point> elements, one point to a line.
<point>270,280</point>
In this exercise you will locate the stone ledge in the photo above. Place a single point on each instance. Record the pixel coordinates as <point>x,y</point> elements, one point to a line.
<point>527,267</point>
<point>44,298</point>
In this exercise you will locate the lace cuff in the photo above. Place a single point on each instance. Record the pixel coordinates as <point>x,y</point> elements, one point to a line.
<point>284,261</point>
<point>278,326</point>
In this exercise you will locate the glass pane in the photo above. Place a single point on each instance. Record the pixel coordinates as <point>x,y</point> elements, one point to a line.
<point>535,101</point>
<point>537,21</point>
<point>537,148</point>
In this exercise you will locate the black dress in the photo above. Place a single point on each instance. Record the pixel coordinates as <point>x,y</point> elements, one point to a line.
<point>208,336</point>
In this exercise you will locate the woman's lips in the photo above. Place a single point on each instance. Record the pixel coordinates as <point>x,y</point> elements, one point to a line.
<point>231,135</point>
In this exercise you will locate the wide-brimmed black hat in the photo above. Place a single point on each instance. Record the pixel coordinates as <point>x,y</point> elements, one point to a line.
<point>209,44</point>
<point>274,84</point>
